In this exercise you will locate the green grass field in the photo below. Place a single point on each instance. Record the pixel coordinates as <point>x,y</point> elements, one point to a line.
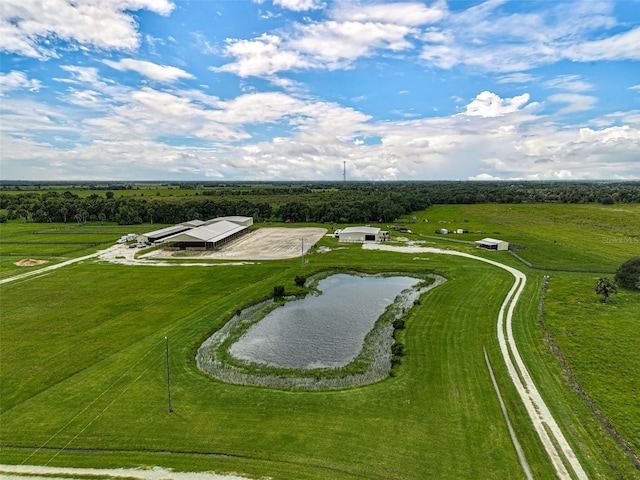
<point>82,369</point>
<point>593,236</point>
<point>56,242</point>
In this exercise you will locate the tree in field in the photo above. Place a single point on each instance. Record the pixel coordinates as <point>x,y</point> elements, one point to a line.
<point>606,287</point>
<point>628,275</point>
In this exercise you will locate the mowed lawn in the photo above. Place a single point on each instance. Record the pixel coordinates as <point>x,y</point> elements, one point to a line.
<point>83,369</point>
<point>83,374</point>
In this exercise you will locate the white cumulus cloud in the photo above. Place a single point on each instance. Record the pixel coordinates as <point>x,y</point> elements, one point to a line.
<point>160,73</point>
<point>35,29</point>
<point>488,104</point>
<point>15,80</point>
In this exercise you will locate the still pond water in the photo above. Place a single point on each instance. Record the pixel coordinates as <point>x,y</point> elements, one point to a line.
<point>321,331</point>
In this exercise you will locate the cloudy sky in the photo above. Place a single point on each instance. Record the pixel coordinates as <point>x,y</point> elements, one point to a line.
<point>297,89</point>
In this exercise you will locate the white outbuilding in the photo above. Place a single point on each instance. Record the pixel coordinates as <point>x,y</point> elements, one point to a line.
<point>492,244</point>
<point>363,234</point>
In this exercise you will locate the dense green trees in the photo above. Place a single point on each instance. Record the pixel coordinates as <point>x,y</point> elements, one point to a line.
<point>336,202</point>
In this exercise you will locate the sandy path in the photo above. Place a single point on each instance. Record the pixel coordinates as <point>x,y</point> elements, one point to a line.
<point>55,266</point>
<point>545,424</point>
<point>156,473</point>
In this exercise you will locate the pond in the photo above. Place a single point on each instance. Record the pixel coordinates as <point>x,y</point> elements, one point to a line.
<point>321,331</point>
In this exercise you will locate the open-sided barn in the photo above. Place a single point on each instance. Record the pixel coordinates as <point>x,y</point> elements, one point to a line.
<point>199,234</point>
<point>207,237</point>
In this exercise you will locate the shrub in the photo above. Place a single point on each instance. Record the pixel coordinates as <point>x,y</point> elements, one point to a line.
<point>300,280</point>
<point>397,349</point>
<point>398,324</point>
<point>278,291</point>
<point>628,275</point>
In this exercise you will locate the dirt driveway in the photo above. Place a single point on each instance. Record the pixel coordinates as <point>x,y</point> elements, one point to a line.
<point>269,243</point>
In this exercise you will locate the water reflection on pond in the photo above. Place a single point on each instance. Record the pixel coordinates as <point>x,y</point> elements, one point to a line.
<point>327,330</point>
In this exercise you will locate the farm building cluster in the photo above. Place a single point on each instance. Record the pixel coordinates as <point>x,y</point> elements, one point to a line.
<point>198,234</point>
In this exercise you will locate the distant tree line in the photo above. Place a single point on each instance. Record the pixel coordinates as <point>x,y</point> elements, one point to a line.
<point>351,202</point>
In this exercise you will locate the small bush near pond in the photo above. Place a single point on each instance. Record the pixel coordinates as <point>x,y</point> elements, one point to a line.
<point>397,349</point>
<point>278,292</point>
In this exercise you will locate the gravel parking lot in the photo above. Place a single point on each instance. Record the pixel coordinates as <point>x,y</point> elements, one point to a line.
<point>267,243</point>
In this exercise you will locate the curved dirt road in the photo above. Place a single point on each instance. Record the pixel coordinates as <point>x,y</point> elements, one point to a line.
<point>552,438</point>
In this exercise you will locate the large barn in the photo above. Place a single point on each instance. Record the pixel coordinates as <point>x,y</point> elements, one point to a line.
<point>161,234</point>
<point>200,235</point>
<point>207,237</point>
<point>363,234</point>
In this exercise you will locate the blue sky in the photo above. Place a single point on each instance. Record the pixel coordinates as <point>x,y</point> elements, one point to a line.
<point>293,89</point>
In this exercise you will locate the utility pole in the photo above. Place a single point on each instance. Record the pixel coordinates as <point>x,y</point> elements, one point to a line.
<point>302,254</point>
<point>166,341</point>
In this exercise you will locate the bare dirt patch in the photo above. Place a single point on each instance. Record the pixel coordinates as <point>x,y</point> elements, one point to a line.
<point>29,262</point>
<point>269,243</point>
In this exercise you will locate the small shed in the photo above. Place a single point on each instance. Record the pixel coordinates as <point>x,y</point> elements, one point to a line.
<point>492,244</point>
<point>363,234</point>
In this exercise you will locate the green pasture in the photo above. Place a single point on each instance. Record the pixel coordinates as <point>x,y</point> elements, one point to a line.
<point>586,236</point>
<point>600,344</point>
<point>438,417</point>
<point>83,373</point>
<point>56,242</point>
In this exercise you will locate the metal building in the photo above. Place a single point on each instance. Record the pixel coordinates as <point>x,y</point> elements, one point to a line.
<point>492,244</point>
<point>206,237</point>
<point>363,234</point>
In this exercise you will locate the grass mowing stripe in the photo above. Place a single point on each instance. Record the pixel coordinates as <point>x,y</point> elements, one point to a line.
<point>89,405</point>
<point>103,410</point>
<point>512,433</point>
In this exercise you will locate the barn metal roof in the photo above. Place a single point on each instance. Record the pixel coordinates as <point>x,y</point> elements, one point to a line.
<point>231,218</point>
<point>164,232</point>
<point>490,241</point>
<point>365,230</point>
<point>208,233</point>
<point>193,223</point>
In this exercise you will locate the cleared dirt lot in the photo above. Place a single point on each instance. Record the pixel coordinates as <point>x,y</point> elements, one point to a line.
<point>267,243</point>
